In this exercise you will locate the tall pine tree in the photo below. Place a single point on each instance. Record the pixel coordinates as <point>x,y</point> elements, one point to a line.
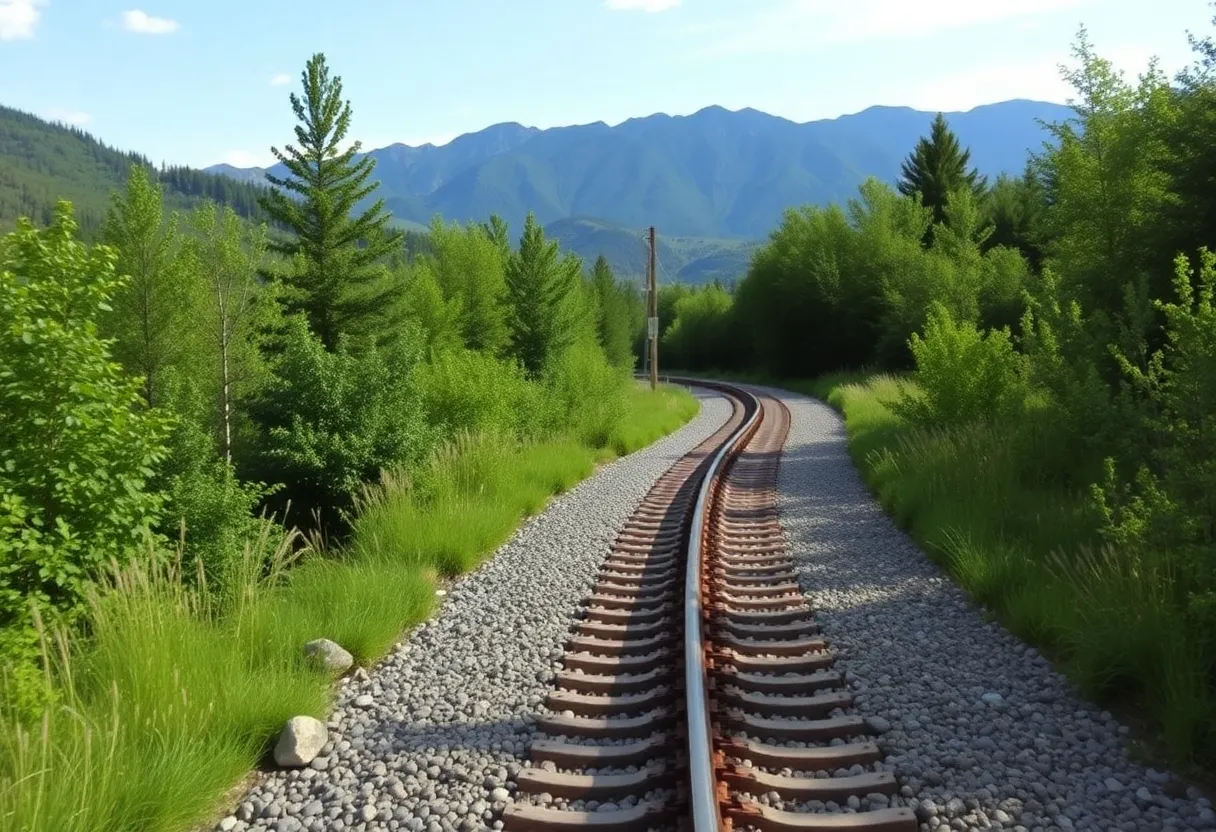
<point>938,166</point>
<point>540,285</point>
<point>613,323</point>
<point>339,281</point>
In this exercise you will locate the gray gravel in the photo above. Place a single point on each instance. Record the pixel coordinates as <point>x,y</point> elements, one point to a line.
<point>432,738</point>
<point>981,728</point>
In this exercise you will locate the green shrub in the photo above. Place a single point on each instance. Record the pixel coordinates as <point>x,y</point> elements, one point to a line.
<point>963,375</point>
<point>208,511</point>
<point>587,392</point>
<point>76,450</point>
<point>333,421</point>
<point>467,391</point>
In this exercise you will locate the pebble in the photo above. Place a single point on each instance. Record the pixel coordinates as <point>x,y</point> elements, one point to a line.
<point>926,665</point>
<point>454,702</point>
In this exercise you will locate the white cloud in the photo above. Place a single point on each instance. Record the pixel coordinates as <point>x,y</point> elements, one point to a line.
<point>640,5</point>
<point>145,24</point>
<point>801,24</point>
<point>280,79</point>
<point>19,18</point>
<point>67,116</point>
<point>1038,79</point>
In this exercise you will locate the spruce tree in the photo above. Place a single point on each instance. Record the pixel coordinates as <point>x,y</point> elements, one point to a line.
<point>938,166</point>
<point>338,280</point>
<point>612,314</point>
<point>540,284</point>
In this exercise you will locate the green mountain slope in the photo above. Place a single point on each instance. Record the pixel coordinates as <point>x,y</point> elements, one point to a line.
<point>41,162</point>
<point>713,174</point>
<point>682,259</point>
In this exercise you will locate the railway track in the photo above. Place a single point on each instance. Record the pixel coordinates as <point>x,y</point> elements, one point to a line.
<point>696,691</point>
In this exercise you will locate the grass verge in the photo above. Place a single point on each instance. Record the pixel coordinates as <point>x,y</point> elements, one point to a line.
<point>1030,553</point>
<point>177,693</point>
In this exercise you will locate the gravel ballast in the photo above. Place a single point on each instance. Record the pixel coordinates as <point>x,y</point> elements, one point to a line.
<point>433,736</point>
<point>983,732</point>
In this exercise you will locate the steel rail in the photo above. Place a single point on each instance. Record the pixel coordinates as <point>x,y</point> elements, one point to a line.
<point>703,795</point>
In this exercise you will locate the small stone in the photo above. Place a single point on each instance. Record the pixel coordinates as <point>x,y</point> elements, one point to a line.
<point>500,795</point>
<point>363,700</point>
<point>368,813</point>
<point>329,654</point>
<point>993,699</point>
<point>879,725</point>
<point>228,824</point>
<point>301,741</point>
<point>1112,784</point>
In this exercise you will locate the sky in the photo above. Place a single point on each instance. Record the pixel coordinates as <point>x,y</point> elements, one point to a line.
<point>200,82</point>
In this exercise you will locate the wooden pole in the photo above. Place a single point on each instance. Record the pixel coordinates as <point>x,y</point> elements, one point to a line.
<point>654,317</point>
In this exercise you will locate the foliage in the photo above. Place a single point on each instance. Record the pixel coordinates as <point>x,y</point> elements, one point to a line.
<point>700,337</point>
<point>336,279</point>
<point>468,266</point>
<point>76,454</point>
<point>541,286</point>
<point>42,162</point>
<point>937,168</point>
<point>149,310</point>
<point>231,311</point>
<point>963,375</point>
<point>464,391</point>
<point>616,308</point>
<point>331,421</point>
<point>210,513</point>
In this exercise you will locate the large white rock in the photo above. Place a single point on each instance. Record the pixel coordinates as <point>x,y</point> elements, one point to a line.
<point>302,740</point>
<point>329,653</point>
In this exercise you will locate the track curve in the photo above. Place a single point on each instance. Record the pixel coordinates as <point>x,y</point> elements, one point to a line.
<point>696,692</point>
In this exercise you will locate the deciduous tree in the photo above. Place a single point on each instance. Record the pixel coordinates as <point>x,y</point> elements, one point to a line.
<point>149,308</point>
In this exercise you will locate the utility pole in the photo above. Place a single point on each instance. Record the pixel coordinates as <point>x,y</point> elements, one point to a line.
<point>652,323</point>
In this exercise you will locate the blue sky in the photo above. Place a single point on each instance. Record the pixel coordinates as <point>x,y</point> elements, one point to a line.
<point>206,81</point>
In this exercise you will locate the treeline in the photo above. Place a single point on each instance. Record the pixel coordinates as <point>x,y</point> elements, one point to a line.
<point>37,159</point>
<point>1059,326</point>
<point>162,390</point>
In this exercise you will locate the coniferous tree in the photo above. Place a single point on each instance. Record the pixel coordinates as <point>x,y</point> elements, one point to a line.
<point>540,284</point>
<point>937,167</point>
<point>148,310</point>
<point>338,281</point>
<point>613,322</point>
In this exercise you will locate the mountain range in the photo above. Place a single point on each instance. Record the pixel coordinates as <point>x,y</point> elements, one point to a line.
<point>713,183</point>
<point>713,174</point>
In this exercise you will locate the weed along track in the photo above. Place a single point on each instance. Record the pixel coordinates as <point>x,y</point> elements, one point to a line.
<point>696,691</point>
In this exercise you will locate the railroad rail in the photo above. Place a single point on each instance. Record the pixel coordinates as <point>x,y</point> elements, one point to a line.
<point>696,689</point>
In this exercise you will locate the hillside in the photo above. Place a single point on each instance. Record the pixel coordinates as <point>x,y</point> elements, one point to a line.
<point>41,162</point>
<point>682,259</point>
<point>713,174</point>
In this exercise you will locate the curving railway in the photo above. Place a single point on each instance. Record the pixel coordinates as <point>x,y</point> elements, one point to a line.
<point>696,690</point>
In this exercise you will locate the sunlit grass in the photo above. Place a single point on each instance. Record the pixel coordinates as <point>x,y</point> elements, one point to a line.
<point>1029,551</point>
<point>176,693</point>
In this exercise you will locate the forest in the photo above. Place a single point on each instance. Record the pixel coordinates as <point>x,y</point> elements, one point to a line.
<point>1027,369</point>
<point>230,429</point>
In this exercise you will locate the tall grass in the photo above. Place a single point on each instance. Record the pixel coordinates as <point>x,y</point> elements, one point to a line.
<point>1030,552</point>
<point>177,691</point>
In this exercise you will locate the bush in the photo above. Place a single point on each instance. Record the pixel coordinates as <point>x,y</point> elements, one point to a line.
<point>467,391</point>
<point>76,449</point>
<point>587,392</point>
<point>333,421</point>
<point>209,511</point>
<point>963,375</point>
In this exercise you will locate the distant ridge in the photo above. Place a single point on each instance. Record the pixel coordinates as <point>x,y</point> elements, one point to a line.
<point>716,173</point>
